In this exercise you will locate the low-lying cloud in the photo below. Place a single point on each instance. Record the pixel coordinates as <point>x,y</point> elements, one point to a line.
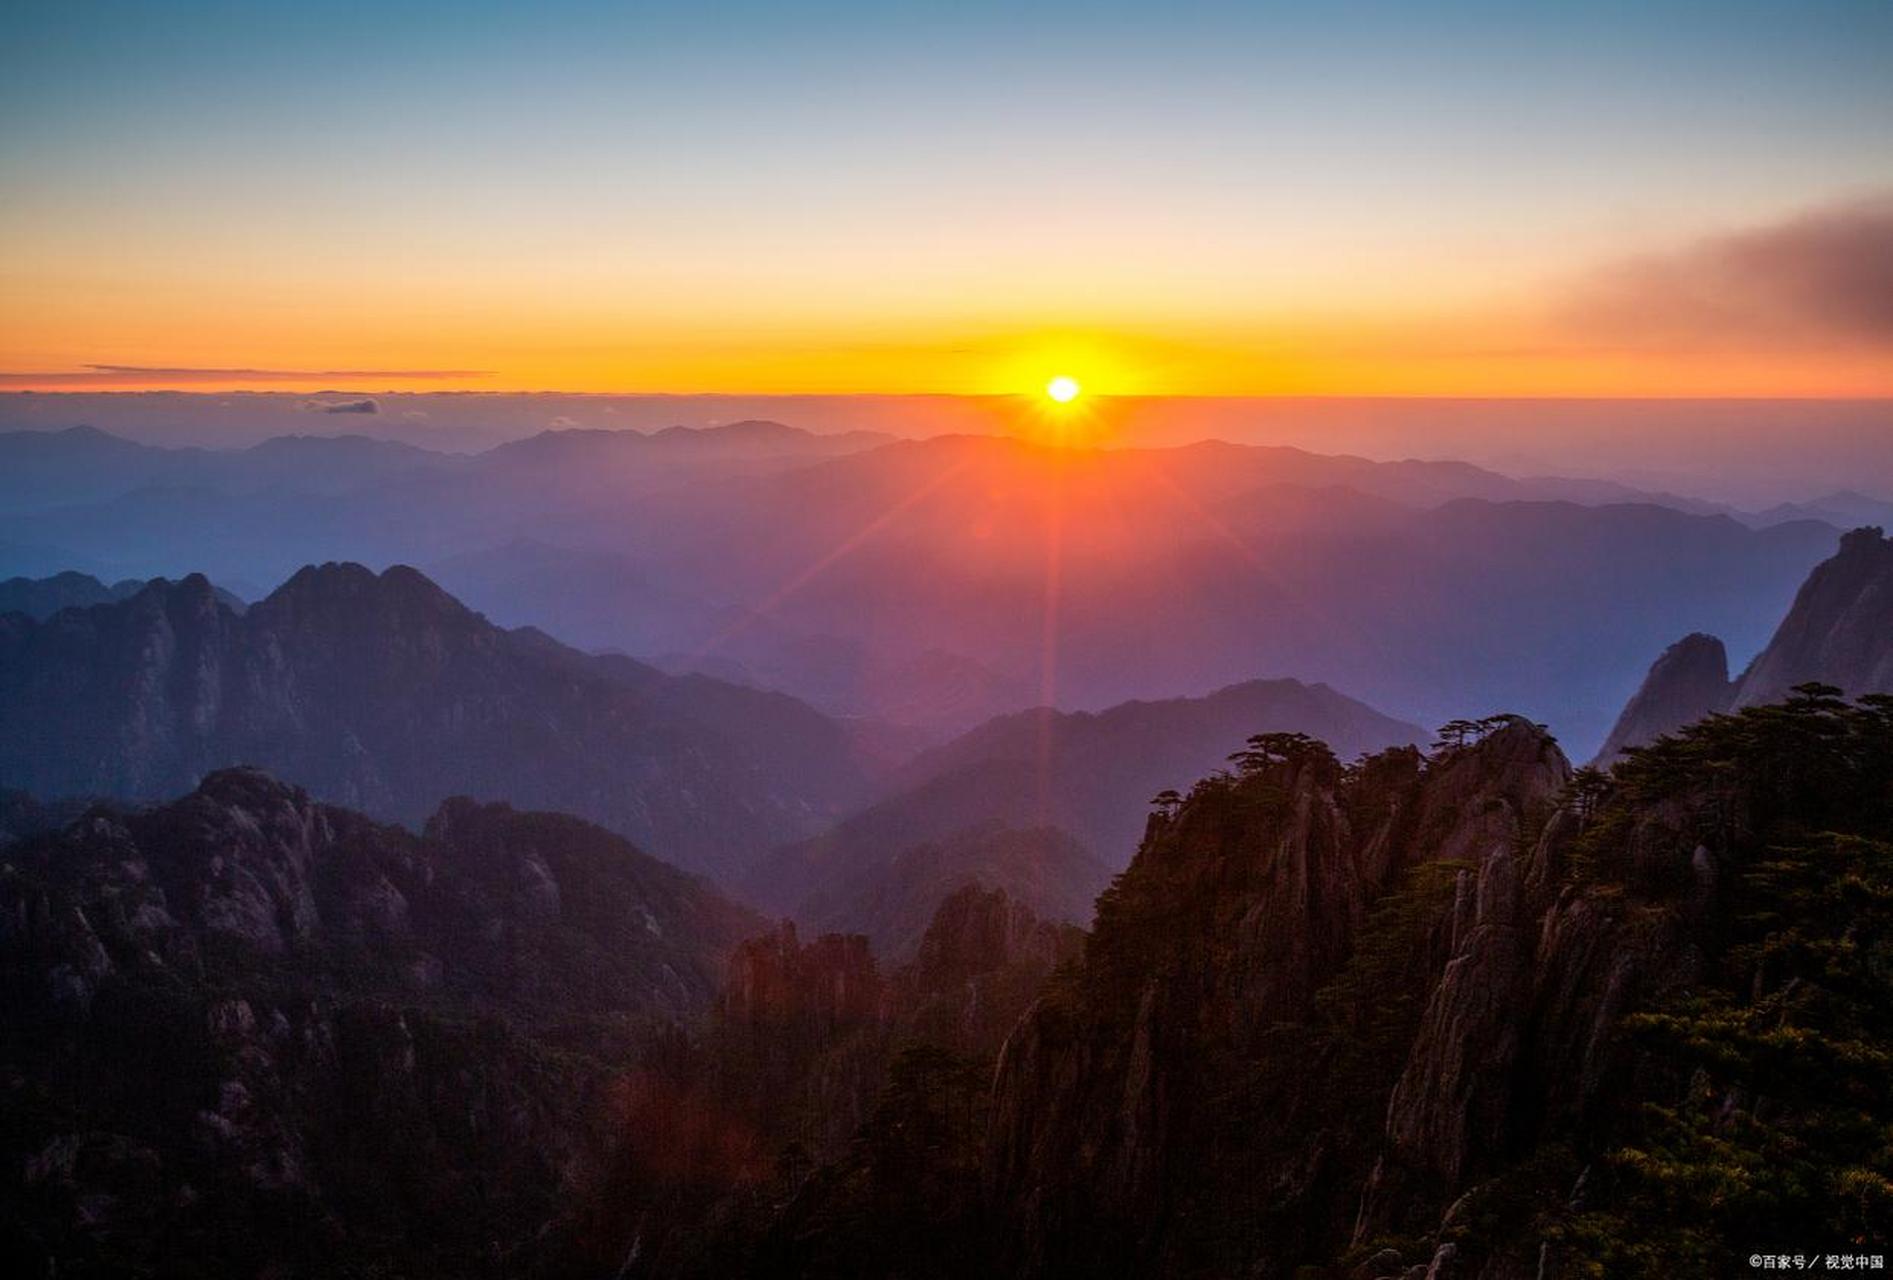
<point>342,406</point>
<point>107,374</point>
<point>1823,277</point>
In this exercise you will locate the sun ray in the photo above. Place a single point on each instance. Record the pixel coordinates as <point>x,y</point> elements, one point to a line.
<point>847,545</point>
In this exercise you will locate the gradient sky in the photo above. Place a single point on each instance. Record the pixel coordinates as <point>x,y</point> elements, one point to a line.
<point>1650,198</point>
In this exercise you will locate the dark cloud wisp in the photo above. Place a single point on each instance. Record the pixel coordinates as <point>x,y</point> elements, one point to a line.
<point>1823,277</point>
<point>107,374</point>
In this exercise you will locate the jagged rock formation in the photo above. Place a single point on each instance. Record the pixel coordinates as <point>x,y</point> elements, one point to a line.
<point>253,1032</point>
<point>823,1092</point>
<point>384,693</point>
<point>1375,1021</point>
<point>1688,682</point>
<point>1471,1016</point>
<point>1838,632</point>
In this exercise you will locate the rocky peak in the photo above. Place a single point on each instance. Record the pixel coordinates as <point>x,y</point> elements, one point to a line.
<point>775,981</point>
<point>1839,630</point>
<point>321,594</point>
<point>977,930</point>
<point>1690,681</point>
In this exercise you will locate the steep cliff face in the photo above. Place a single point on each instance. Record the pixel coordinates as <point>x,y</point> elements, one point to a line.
<point>829,1116</point>
<point>1840,630</point>
<point>246,1006</point>
<point>1688,682</point>
<point>384,693</point>
<point>1119,1107</point>
<point>1396,1020</point>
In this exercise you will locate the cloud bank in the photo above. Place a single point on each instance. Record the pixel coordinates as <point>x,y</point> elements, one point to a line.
<point>1824,277</point>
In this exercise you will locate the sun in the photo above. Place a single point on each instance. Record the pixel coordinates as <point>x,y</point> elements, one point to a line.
<point>1063,389</point>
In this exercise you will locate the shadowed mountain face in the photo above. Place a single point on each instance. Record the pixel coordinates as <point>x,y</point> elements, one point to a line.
<point>251,1033</point>
<point>911,580</point>
<point>1838,632</point>
<point>1688,682</point>
<point>763,1146</point>
<point>384,693</point>
<point>41,598</point>
<point>1450,1016</point>
<point>1089,775</point>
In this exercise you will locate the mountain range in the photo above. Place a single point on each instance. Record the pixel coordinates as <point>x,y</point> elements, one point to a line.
<point>385,693</point>
<point>911,581</point>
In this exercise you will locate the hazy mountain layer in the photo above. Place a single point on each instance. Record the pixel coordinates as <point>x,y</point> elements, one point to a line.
<point>1090,775</point>
<point>1083,577</point>
<point>384,693</point>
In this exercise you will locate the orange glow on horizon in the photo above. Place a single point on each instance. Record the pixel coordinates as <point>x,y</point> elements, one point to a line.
<point>1372,362</point>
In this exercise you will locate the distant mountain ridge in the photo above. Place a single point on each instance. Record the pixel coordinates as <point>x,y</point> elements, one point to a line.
<point>1423,586</point>
<point>385,693</point>
<point>41,598</point>
<point>1063,796</point>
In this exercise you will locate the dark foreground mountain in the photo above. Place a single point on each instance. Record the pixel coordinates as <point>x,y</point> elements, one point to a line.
<point>1469,1016</point>
<point>1035,774</point>
<point>1839,631</point>
<point>384,693</point>
<point>765,1144</point>
<point>248,1033</point>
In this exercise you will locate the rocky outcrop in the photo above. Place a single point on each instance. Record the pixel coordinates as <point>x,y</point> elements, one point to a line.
<point>1690,681</point>
<point>384,693</point>
<point>247,1006</point>
<point>1838,632</point>
<point>1239,909</point>
<point>834,1094</point>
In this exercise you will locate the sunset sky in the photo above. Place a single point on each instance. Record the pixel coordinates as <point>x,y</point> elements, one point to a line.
<point>1473,199</point>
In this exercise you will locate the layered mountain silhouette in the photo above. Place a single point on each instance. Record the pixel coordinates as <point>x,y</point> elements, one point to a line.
<point>1838,632</point>
<point>384,693</point>
<point>40,598</point>
<point>246,1030</point>
<point>1045,804</point>
<point>1466,1014</point>
<point>908,579</point>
